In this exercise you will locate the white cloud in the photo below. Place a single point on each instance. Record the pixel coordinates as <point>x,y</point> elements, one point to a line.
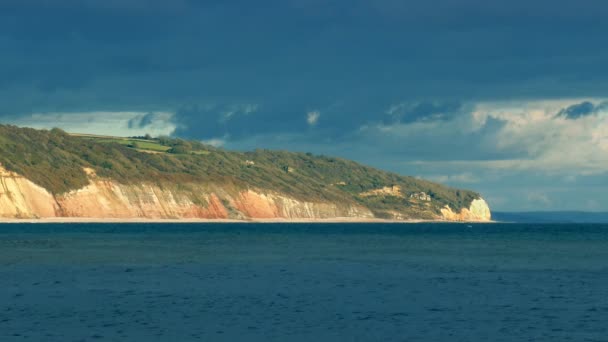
<point>240,109</point>
<point>551,143</point>
<point>104,123</point>
<point>312,117</point>
<point>396,110</point>
<point>216,142</point>
<point>524,135</point>
<point>538,198</point>
<point>464,177</point>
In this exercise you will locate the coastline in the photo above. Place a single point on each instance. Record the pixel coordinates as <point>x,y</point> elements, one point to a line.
<point>201,220</point>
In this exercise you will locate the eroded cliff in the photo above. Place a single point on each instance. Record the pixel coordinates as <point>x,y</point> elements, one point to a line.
<point>478,211</point>
<point>103,198</point>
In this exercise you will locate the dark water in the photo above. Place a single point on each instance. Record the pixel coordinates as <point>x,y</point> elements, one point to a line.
<point>324,282</point>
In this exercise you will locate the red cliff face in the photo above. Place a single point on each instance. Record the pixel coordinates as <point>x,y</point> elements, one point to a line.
<point>103,198</point>
<point>106,199</point>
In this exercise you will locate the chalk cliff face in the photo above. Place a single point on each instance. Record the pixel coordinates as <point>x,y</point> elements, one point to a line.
<point>478,211</point>
<point>104,198</point>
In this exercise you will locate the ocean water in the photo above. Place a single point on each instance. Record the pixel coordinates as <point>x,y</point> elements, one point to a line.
<point>303,282</point>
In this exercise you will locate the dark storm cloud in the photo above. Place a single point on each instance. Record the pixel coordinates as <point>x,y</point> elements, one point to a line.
<point>159,55</point>
<point>250,72</point>
<point>142,121</point>
<point>350,60</point>
<point>139,5</point>
<point>582,109</point>
<point>423,111</point>
<point>576,111</point>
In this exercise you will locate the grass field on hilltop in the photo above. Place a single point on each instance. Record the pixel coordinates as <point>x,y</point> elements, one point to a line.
<point>136,143</point>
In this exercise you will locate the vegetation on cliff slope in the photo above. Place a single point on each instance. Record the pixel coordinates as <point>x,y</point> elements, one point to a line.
<point>55,160</point>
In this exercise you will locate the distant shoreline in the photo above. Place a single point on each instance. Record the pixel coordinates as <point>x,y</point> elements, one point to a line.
<point>197,220</point>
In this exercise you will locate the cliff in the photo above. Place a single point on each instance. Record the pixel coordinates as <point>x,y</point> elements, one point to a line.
<point>84,178</point>
<point>104,198</point>
<point>478,211</point>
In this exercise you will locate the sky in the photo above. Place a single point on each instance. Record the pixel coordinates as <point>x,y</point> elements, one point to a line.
<point>507,98</point>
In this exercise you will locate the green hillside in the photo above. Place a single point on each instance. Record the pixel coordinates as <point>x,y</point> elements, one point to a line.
<point>55,159</point>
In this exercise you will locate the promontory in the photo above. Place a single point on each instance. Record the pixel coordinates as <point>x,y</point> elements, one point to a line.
<point>51,174</point>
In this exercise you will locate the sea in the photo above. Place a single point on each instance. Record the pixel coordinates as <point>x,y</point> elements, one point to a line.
<point>303,282</point>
